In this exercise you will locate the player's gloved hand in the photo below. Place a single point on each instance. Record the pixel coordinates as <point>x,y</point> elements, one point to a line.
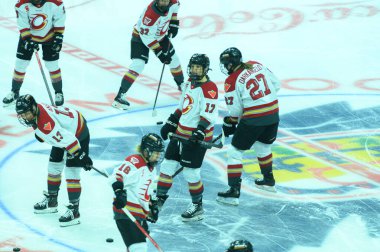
<point>120,199</point>
<point>39,139</point>
<point>173,28</point>
<point>30,45</point>
<point>229,126</point>
<point>164,57</point>
<point>57,42</point>
<point>154,210</point>
<point>170,126</point>
<point>84,160</point>
<point>198,134</point>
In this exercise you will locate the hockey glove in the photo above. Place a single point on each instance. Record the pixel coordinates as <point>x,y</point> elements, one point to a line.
<point>173,28</point>
<point>170,126</point>
<point>164,57</point>
<point>30,45</point>
<point>84,160</point>
<point>154,210</point>
<point>57,42</point>
<point>229,126</point>
<point>198,134</point>
<point>120,199</point>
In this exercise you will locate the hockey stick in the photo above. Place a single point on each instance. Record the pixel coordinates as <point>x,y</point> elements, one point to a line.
<point>221,135</point>
<point>44,77</point>
<point>154,112</point>
<point>133,219</point>
<point>100,172</point>
<point>207,145</point>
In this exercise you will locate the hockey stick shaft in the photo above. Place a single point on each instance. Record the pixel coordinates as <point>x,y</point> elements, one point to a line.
<point>208,145</point>
<point>100,172</point>
<point>159,83</point>
<point>130,216</point>
<point>44,77</point>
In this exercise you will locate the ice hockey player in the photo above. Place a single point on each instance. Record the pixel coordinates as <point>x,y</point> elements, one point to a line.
<point>240,246</point>
<point>39,22</point>
<point>251,99</point>
<point>194,118</point>
<point>132,184</point>
<point>66,130</point>
<point>156,24</point>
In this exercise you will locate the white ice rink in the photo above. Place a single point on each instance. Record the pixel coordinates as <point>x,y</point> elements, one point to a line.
<point>326,157</point>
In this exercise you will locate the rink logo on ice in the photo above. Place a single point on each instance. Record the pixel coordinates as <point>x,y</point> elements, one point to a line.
<point>330,152</point>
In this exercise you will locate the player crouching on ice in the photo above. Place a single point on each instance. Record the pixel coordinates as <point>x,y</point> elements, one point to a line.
<point>132,184</point>
<point>66,130</point>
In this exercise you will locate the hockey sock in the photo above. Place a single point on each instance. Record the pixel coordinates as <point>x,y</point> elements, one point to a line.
<point>196,191</point>
<point>54,182</point>
<point>234,173</point>
<point>177,75</point>
<point>164,184</point>
<point>73,189</point>
<point>129,78</point>
<point>266,165</point>
<point>18,79</point>
<point>56,80</point>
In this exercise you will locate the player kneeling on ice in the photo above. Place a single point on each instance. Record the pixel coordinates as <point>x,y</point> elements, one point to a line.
<point>251,99</point>
<point>132,184</point>
<point>194,119</point>
<point>66,130</point>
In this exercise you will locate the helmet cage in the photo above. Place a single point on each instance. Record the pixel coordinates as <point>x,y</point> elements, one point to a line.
<point>24,104</point>
<point>152,143</point>
<point>229,60</point>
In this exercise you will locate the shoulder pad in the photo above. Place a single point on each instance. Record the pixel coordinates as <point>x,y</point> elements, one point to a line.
<point>210,90</point>
<point>136,160</point>
<point>230,83</point>
<point>21,2</point>
<point>56,2</point>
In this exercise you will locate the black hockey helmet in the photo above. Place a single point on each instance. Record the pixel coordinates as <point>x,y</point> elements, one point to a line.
<point>24,104</point>
<point>240,246</point>
<point>152,142</point>
<point>38,3</point>
<point>160,7</point>
<point>198,59</point>
<point>230,59</point>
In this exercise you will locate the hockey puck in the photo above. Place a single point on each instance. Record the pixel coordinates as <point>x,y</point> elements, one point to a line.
<point>16,249</point>
<point>109,240</point>
<point>159,122</point>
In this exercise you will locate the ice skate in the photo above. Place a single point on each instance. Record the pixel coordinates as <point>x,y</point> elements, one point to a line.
<point>230,197</point>
<point>193,213</point>
<point>59,99</point>
<point>47,205</point>
<point>71,217</point>
<point>267,184</point>
<point>120,101</point>
<point>10,99</point>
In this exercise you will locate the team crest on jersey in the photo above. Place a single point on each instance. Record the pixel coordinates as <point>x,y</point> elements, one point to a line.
<point>147,21</point>
<point>212,93</point>
<point>38,22</point>
<point>187,104</point>
<point>47,126</point>
<point>226,87</point>
<point>134,160</point>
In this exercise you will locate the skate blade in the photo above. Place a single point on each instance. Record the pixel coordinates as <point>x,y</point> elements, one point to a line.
<point>195,218</point>
<point>267,188</point>
<point>228,201</point>
<point>46,211</point>
<point>120,106</point>
<point>70,223</point>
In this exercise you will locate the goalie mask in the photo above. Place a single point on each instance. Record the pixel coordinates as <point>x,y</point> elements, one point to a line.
<point>26,109</point>
<point>240,246</point>
<point>162,5</point>
<point>200,60</point>
<point>38,3</point>
<point>229,60</point>
<point>150,144</point>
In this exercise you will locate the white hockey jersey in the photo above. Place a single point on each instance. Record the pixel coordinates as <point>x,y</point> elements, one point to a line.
<point>40,23</point>
<point>152,27</point>
<point>252,94</point>
<point>60,126</point>
<point>137,178</point>
<point>197,104</point>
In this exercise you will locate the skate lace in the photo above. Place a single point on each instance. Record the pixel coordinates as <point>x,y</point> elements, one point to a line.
<point>10,96</point>
<point>69,214</point>
<point>193,208</point>
<point>58,97</point>
<point>43,202</point>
